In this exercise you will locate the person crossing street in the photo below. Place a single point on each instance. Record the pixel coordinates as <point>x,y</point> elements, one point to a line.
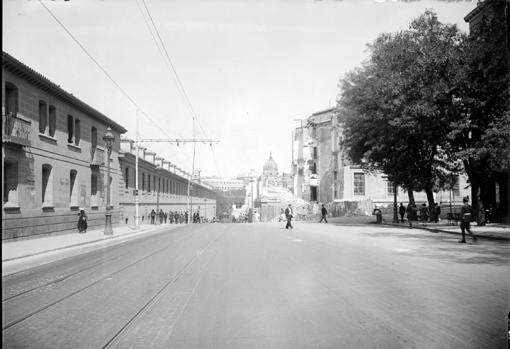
<point>324,213</point>
<point>289,214</point>
<point>465,220</point>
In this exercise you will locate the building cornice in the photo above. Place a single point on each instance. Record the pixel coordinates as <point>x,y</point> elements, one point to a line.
<point>14,66</point>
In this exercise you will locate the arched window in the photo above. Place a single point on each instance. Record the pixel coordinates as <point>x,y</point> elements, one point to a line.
<point>73,188</point>
<point>47,186</point>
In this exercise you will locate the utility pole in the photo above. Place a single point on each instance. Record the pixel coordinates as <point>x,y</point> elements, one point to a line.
<point>177,141</point>
<point>137,201</point>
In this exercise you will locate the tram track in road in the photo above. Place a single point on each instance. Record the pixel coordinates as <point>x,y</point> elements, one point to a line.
<point>81,289</point>
<point>154,298</point>
<point>69,275</point>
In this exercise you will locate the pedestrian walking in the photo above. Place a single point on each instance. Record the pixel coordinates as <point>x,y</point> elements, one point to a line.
<point>324,212</point>
<point>82,221</point>
<point>289,214</point>
<point>465,220</point>
<point>437,212</point>
<point>402,212</point>
<point>424,213</point>
<point>412,213</point>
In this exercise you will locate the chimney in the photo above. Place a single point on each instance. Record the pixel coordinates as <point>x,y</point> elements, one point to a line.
<point>127,145</point>
<point>150,156</point>
<point>159,161</point>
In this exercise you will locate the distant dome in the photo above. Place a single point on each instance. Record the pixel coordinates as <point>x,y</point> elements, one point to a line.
<point>270,166</point>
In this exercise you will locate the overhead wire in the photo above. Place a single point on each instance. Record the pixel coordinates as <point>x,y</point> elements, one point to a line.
<point>175,75</point>
<point>62,25</point>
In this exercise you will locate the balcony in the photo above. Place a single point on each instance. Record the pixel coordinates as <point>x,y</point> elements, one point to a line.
<point>97,157</point>
<point>16,130</point>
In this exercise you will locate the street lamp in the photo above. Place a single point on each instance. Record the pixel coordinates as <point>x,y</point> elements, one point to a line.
<point>108,138</point>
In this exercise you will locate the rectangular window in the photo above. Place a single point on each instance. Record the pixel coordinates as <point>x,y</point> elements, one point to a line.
<point>391,188</point>
<point>143,181</point>
<point>11,99</point>
<point>47,186</point>
<point>77,131</point>
<point>73,189</point>
<point>43,117</point>
<point>94,197</point>
<point>52,120</point>
<point>149,183</point>
<point>456,188</point>
<point>359,184</point>
<point>10,182</point>
<point>126,178</point>
<point>70,129</point>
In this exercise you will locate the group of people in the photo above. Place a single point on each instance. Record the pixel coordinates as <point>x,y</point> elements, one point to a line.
<point>422,213</point>
<point>172,217</point>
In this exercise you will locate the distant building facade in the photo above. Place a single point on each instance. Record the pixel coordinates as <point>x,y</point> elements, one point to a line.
<point>326,175</point>
<point>54,163</point>
<point>54,159</point>
<point>229,193</point>
<point>161,186</point>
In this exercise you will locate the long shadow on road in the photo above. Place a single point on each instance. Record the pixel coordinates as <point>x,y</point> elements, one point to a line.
<point>445,247</point>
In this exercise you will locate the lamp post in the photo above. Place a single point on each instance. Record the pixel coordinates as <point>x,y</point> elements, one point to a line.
<point>108,138</point>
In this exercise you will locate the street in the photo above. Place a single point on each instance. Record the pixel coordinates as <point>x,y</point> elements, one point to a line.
<point>261,286</point>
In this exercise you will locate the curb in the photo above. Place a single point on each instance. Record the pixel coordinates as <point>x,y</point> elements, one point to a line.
<point>107,238</point>
<point>436,230</point>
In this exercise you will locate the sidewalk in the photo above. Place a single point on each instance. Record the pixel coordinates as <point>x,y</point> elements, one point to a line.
<point>489,231</point>
<point>24,254</point>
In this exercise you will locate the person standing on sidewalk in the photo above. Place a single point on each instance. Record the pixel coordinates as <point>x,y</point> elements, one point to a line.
<point>324,213</point>
<point>402,212</point>
<point>288,214</point>
<point>82,221</point>
<point>153,216</point>
<point>465,220</point>
<point>412,213</point>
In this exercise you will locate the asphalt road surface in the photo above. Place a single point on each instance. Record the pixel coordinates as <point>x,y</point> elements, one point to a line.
<point>261,286</point>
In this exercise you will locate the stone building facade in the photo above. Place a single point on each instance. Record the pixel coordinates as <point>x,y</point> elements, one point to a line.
<point>53,156</point>
<point>326,175</point>
<point>54,163</point>
<point>161,186</point>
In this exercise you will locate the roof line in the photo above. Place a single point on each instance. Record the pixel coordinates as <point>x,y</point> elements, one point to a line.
<point>15,66</point>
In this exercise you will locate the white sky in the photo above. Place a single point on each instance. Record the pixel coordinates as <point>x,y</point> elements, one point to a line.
<point>249,67</point>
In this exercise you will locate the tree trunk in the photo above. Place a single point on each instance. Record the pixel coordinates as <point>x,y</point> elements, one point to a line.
<point>430,197</point>
<point>477,203</point>
<point>395,204</point>
<point>411,195</point>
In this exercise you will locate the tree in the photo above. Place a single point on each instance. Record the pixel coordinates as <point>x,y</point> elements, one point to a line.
<point>480,133</point>
<point>395,107</point>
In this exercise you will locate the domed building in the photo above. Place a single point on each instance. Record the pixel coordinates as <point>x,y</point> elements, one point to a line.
<point>273,193</point>
<point>270,168</point>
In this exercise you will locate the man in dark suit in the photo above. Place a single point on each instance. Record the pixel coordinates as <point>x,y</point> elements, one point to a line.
<point>289,213</point>
<point>465,220</point>
<point>324,213</point>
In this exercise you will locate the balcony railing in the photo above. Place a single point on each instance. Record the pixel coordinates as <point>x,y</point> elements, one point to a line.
<point>16,130</point>
<point>97,157</point>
